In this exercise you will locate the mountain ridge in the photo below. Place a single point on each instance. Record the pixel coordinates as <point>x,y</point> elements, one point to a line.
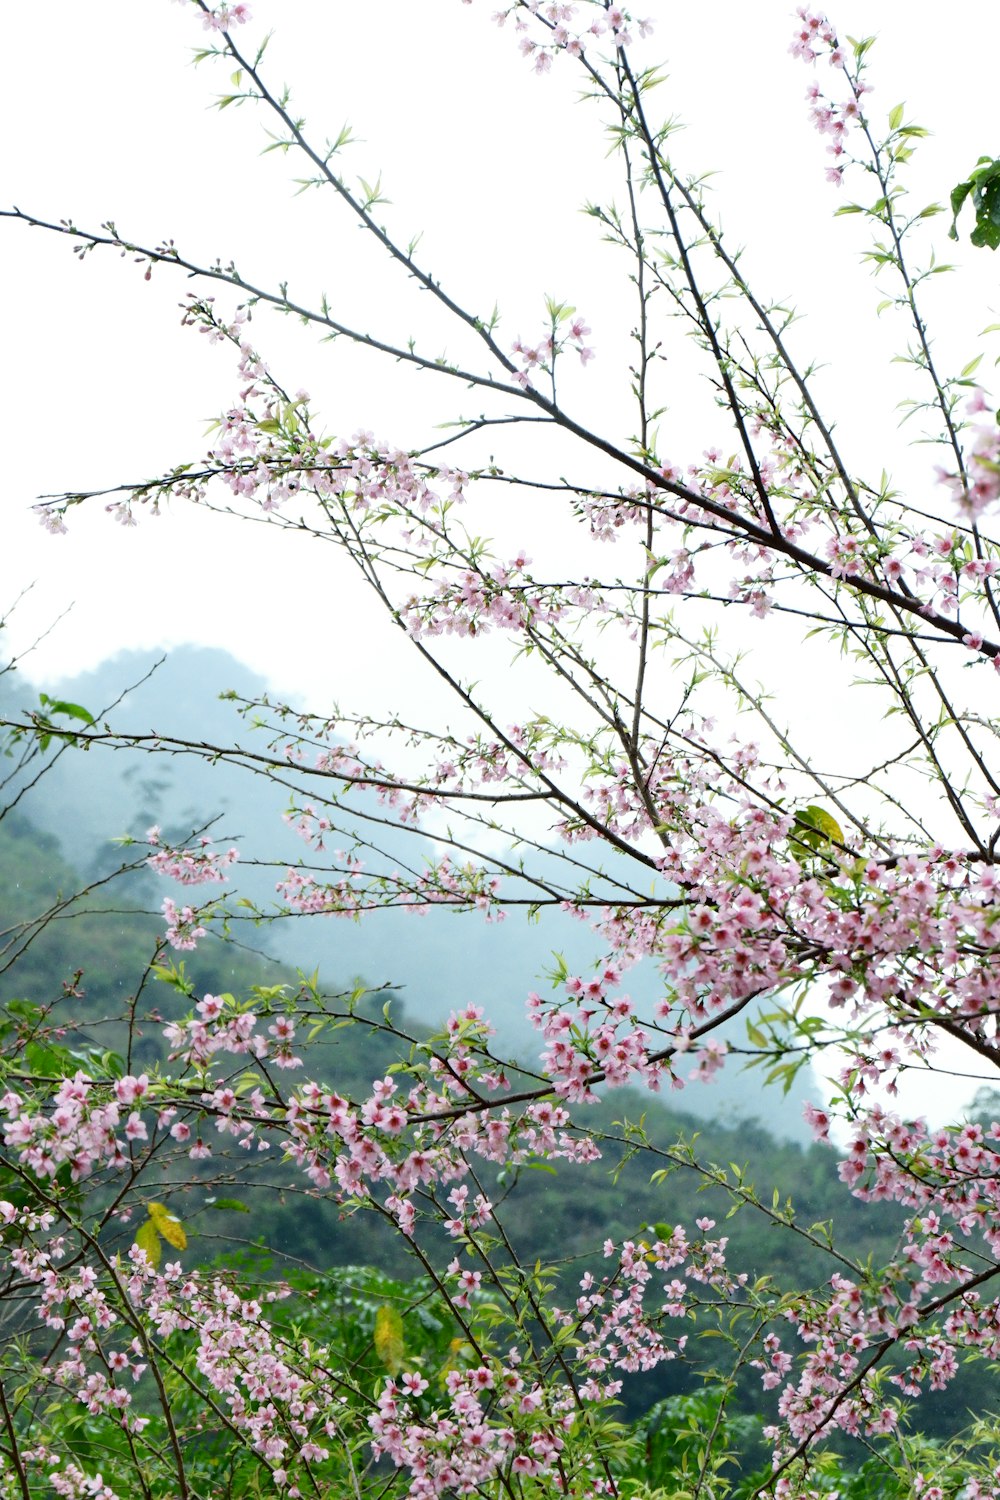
<point>90,800</point>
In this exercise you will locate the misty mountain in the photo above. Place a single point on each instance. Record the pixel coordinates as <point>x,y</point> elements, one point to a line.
<point>441,961</point>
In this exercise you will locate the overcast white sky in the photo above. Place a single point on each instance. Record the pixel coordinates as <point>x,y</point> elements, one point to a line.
<point>103,117</point>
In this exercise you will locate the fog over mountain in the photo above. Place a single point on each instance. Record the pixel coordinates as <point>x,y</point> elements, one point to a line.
<point>440,961</point>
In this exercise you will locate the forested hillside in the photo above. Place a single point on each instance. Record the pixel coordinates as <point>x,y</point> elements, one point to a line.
<point>88,960</point>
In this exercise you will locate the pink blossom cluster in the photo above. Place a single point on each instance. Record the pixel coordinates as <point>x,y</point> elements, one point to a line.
<point>729,487</point>
<point>927,1302</point>
<point>411,1142</point>
<point>83,1129</point>
<point>346,764</point>
<point>729,943</point>
<point>481,601</point>
<point>222,1025</point>
<point>816,38</point>
<point>402,1145</point>
<point>546,28</point>
<point>951,1173</point>
<point>183,926</point>
<point>978,488</point>
<point>276,1396</point>
<point>493,1425</point>
<point>52,518</point>
<point>302,892</point>
<point>598,1041</point>
<point>268,453</point>
<point>191,866</point>
<point>70,1482</point>
<point>912,932</point>
<point>464,887</point>
<point>542,356</point>
<point>616,1328</point>
<point>944,572</point>
<point>497,1420</point>
<point>225,16</point>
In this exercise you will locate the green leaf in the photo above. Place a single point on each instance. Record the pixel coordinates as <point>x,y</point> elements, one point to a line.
<point>896,117</point>
<point>46,1061</point>
<point>389,1338</point>
<point>983,183</point>
<point>233,1205</point>
<point>987,235</point>
<point>814,826</point>
<point>71,710</point>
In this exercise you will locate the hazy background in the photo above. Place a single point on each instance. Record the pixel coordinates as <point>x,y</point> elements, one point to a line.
<point>105,118</point>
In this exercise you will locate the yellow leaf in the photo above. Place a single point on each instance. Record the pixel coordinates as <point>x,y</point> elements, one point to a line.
<point>389,1338</point>
<point>168,1225</point>
<point>826,823</point>
<point>815,827</point>
<point>147,1239</point>
<point>458,1350</point>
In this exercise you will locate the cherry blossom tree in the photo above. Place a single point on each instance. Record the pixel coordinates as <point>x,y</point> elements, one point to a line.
<point>828,879</point>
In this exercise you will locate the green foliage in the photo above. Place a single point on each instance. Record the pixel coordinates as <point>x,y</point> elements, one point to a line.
<point>697,1444</point>
<point>376,1318</point>
<point>983,185</point>
<point>684,1441</point>
<point>361,1311</point>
